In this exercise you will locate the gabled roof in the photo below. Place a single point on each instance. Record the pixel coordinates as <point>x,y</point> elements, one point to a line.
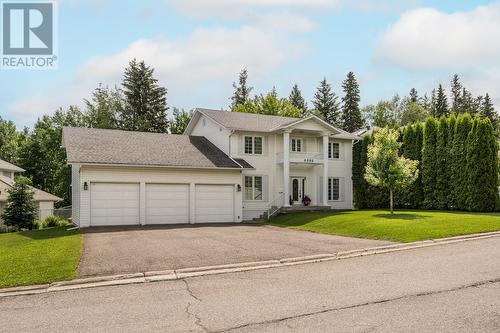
<point>116,147</point>
<point>4,165</point>
<point>38,195</point>
<point>240,121</point>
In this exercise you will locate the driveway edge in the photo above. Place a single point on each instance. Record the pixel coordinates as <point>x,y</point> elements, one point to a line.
<point>179,274</point>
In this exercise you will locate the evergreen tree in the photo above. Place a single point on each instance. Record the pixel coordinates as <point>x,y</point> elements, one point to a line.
<point>488,110</point>
<point>351,113</point>
<point>180,121</point>
<point>358,171</point>
<point>429,163</point>
<point>269,104</point>
<point>456,90</point>
<point>298,101</point>
<point>442,160</point>
<point>326,105</point>
<point>482,167</point>
<point>241,90</point>
<point>468,104</point>
<point>458,162</point>
<point>145,106</point>
<point>440,105</point>
<point>412,196</point>
<point>413,95</point>
<point>21,210</point>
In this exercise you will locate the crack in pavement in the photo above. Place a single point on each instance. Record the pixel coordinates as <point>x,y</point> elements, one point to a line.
<point>197,319</point>
<point>308,314</point>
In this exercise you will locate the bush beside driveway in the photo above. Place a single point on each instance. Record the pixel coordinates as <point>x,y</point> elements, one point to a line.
<point>38,256</point>
<point>403,226</point>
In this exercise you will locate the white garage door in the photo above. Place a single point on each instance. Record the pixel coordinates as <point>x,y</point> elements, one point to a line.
<point>114,204</point>
<point>167,203</point>
<point>214,203</point>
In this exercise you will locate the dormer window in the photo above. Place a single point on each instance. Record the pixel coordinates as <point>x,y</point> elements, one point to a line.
<point>296,145</point>
<point>253,145</point>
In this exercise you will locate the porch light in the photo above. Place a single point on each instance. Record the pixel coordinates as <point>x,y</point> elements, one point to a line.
<point>238,187</point>
<point>85,186</point>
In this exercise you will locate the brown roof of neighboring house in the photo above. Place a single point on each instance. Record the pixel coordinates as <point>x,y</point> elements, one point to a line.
<point>104,146</point>
<point>4,165</point>
<point>38,195</point>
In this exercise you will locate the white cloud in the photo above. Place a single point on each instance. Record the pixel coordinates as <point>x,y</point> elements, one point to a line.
<point>426,38</point>
<point>188,66</point>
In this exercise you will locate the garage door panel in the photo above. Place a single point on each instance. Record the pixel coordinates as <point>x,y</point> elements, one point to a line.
<point>214,203</point>
<point>167,203</point>
<point>114,204</point>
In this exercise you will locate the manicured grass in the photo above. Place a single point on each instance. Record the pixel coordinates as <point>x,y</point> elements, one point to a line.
<point>403,226</point>
<point>38,256</point>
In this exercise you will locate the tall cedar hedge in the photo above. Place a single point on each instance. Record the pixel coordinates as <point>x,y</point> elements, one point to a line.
<point>458,167</point>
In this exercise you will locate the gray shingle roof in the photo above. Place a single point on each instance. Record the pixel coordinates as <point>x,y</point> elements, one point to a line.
<point>244,163</point>
<point>247,121</point>
<point>38,195</point>
<point>101,146</point>
<point>4,165</point>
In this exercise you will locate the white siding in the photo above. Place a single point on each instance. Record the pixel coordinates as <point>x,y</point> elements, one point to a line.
<point>114,203</point>
<point>146,176</point>
<point>75,193</point>
<point>214,203</point>
<point>45,208</point>
<point>214,132</point>
<point>167,203</point>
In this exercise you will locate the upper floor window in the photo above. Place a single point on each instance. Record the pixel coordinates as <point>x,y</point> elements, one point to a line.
<point>7,174</point>
<point>253,188</point>
<point>333,189</point>
<point>253,145</point>
<point>296,145</point>
<point>334,150</point>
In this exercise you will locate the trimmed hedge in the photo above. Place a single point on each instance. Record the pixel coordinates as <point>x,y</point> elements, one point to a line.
<point>458,167</point>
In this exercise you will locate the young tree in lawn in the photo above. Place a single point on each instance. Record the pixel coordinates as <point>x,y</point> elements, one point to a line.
<point>458,162</point>
<point>442,160</point>
<point>385,167</point>
<point>241,90</point>
<point>482,167</point>
<point>21,210</point>
<point>145,106</point>
<point>351,113</point>
<point>298,101</point>
<point>429,163</point>
<point>326,105</point>
<point>440,105</point>
<point>179,121</point>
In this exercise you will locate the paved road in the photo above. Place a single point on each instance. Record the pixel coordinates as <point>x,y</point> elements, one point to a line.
<point>118,250</point>
<point>448,288</point>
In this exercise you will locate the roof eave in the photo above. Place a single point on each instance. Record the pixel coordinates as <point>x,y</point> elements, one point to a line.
<point>152,166</point>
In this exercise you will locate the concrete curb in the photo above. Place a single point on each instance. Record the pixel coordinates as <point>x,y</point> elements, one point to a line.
<point>171,275</point>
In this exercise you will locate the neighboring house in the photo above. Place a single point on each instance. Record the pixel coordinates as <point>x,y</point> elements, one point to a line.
<point>45,201</point>
<point>367,130</point>
<point>228,167</point>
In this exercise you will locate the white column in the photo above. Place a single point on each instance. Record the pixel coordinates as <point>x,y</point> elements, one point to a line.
<point>286,169</point>
<point>325,169</point>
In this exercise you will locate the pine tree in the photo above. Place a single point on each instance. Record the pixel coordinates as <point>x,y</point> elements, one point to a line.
<point>241,90</point>
<point>413,95</point>
<point>429,163</point>
<point>21,209</point>
<point>298,101</point>
<point>351,113</point>
<point>467,102</point>
<point>145,101</point>
<point>456,98</point>
<point>482,167</point>
<point>440,105</point>
<point>458,162</point>
<point>442,160</point>
<point>488,110</point>
<point>326,105</point>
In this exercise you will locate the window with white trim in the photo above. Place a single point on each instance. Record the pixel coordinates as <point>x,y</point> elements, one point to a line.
<point>333,189</point>
<point>253,188</point>
<point>296,145</point>
<point>253,145</point>
<point>333,150</point>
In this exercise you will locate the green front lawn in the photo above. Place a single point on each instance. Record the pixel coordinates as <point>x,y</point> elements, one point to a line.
<point>403,226</point>
<point>38,256</point>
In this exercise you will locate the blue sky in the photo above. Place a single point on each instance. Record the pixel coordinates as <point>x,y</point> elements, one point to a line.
<point>198,47</point>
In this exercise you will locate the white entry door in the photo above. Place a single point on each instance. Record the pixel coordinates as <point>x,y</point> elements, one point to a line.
<point>114,204</point>
<point>167,203</point>
<point>214,203</point>
<point>297,185</point>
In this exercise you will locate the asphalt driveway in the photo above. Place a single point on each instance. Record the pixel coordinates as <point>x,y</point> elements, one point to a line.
<point>117,250</point>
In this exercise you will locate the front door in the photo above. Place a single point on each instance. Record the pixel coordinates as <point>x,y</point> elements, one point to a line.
<point>297,186</point>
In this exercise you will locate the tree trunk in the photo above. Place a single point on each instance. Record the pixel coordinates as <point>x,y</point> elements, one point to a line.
<point>391,200</point>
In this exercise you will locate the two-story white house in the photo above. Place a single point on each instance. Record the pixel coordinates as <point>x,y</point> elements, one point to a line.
<point>227,167</point>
